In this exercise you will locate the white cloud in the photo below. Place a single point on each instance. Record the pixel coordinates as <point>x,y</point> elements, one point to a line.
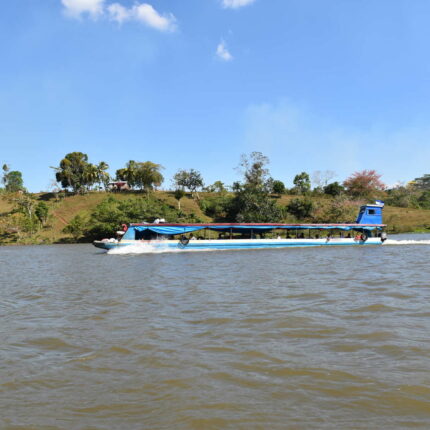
<point>118,13</point>
<point>148,15</point>
<point>76,8</point>
<point>223,53</point>
<point>235,4</point>
<point>140,12</point>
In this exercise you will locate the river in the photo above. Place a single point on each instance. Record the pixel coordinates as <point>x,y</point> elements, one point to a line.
<point>304,338</point>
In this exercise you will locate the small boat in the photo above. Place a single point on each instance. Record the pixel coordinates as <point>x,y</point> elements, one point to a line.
<point>368,229</point>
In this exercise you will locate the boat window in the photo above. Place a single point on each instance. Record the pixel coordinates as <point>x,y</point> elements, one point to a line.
<point>371,211</point>
<point>144,235</point>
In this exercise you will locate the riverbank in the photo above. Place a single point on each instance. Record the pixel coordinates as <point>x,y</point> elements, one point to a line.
<point>64,208</point>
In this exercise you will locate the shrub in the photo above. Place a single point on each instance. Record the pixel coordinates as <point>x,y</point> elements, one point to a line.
<point>424,200</point>
<point>334,189</point>
<point>300,207</point>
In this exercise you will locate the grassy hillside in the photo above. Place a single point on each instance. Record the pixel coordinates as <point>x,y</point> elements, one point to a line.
<point>64,209</point>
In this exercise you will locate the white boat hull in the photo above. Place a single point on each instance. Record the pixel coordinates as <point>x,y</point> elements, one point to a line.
<point>239,243</point>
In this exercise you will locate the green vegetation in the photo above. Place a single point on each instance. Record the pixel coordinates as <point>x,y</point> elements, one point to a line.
<point>301,208</point>
<point>252,201</point>
<point>142,175</point>
<point>334,189</point>
<point>112,213</point>
<point>179,194</point>
<point>77,174</point>
<point>278,187</point>
<point>12,180</point>
<point>191,180</point>
<point>302,183</point>
<point>82,211</point>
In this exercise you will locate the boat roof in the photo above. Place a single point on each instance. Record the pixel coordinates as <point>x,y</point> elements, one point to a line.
<point>173,228</point>
<point>251,225</point>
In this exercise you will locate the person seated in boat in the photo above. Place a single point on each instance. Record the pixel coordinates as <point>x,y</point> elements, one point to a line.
<point>221,236</point>
<point>317,236</point>
<point>192,237</point>
<point>301,236</point>
<point>348,236</point>
<point>278,236</point>
<point>288,236</point>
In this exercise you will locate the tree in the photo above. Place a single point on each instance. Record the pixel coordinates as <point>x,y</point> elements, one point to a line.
<point>424,200</point>
<point>189,179</point>
<point>364,184</point>
<point>42,212</point>
<point>148,175</point>
<point>5,172</point>
<point>13,181</point>
<point>91,175</point>
<point>278,187</point>
<point>320,179</point>
<point>334,189</point>
<point>128,173</point>
<point>179,194</point>
<point>24,207</point>
<point>252,201</point>
<point>254,170</point>
<point>251,205</point>
<point>302,183</point>
<point>216,187</point>
<point>144,175</point>
<point>300,207</point>
<point>103,177</point>
<point>25,204</point>
<point>74,171</point>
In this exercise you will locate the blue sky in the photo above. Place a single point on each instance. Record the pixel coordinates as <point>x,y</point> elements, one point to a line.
<point>339,85</point>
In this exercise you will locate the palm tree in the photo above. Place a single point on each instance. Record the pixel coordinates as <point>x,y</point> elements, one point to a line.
<point>90,175</point>
<point>130,172</point>
<point>103,177</point>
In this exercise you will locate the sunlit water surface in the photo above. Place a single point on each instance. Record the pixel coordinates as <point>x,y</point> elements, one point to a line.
<point>305,338</point>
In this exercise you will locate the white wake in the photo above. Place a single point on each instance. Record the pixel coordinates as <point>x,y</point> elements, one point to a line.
<point>146,248</point>
<point>406,242</point>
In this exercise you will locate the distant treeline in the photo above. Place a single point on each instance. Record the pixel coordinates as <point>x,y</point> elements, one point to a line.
<point>255,198</point>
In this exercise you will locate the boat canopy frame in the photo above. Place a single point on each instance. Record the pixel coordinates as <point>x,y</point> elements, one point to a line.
<point>175,229</point>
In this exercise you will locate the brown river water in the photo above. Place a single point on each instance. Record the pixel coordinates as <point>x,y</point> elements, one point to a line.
<point>304,338</point>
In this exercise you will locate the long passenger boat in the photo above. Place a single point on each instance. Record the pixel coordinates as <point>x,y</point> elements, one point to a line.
<point>368,229</point>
